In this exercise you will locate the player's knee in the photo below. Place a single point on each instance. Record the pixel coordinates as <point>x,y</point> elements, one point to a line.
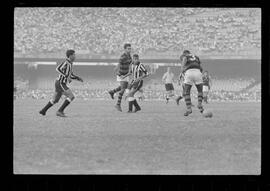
<point>199,87</point>
<point>70,97</point>
<point>54,101</point>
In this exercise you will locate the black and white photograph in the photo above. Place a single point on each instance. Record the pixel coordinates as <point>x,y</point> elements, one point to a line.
<point>137,91</point>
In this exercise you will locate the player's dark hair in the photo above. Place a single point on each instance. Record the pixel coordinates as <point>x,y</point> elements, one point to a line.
<point>127,45</point>
<point>186,52</point>
<point>135,55</point>
<point>69,52</point>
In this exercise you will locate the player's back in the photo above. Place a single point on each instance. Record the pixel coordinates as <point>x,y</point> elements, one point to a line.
<point>192,61</point>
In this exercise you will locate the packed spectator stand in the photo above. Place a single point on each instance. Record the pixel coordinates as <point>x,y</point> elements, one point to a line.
<point>150,30</point>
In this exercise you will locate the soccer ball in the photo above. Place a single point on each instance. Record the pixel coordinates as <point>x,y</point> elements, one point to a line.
<point>207,114</point>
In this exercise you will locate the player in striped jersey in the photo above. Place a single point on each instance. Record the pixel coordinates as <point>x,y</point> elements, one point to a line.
<point>138,72</point>
<point>65,76</point>
<point>193,75</point>
<point>207,83</point>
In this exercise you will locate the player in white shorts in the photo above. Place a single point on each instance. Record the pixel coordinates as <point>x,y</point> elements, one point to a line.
<point>207,83</point>
<point>167,79</point>
<point>192,75</point>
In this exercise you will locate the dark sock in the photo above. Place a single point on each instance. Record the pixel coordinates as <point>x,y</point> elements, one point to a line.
<point>188,101</point>
<point>120,95</point>
<point>178,98</point>
<point>64,105</point>
<point>49,104</point>
<point>135,103</point>
<point>130,104</point>
<point>116,90</point>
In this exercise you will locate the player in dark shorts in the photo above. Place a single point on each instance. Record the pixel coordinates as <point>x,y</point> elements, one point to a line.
<point>168,79</point>
<point>181,84</point>
<point>65,76</point>
<point>138,72</point>
<point>122,72</point>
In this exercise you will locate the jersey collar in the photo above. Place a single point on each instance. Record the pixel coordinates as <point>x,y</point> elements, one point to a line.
<point>69,60</point>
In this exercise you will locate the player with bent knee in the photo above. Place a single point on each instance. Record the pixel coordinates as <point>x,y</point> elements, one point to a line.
<point>65,76</point>
<point>138,72</point>
<point>193,75</point>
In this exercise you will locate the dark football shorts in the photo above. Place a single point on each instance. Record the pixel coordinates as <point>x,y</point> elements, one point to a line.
<point>169,87</point>
<point>60,87</point>
<point>137,85</point>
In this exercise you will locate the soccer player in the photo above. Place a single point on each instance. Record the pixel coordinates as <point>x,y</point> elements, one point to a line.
<point>122,72</point>
<point>167,79</point>
<point>138,72</point>
<point>207,83</point>
<point>65,76</point>
<point>140,95</point>
<point>193,75</point>
<point>181,84</point>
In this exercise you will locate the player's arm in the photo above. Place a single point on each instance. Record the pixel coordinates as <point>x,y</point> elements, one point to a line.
<point>184,61</point>
<point>145,72</point>
<point>199,62</point>
<point>164,77</point>
<point>116,69</point>
<point>210,82</point>
<point>74,77</point>
<point>60,68</point>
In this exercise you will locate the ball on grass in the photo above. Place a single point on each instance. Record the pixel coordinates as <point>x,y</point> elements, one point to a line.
<point>207,114</point>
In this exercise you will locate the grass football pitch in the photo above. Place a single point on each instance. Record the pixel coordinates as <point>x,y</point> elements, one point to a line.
<point>97,139</point>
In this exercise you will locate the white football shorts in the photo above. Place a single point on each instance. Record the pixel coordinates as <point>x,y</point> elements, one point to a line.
<point>118,79</point>
<point>205,89</point>
<point>193,76</point>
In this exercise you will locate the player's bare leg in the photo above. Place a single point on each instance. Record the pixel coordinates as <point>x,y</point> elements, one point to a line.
<point>187,99</point>
<point>205,97</point>
<point>200,96</point>
<point>68,100</point>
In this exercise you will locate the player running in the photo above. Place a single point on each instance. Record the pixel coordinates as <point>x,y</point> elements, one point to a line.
<point>167,79</point>
<point>181,84</point>
<point>122,72</point>
<point>138,72</point>
<point>193,75</point>
<point>207,83</point>
<point>65,76</point>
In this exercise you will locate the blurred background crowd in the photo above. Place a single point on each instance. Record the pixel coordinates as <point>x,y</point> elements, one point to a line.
<point>149,30</point>
<point>222,90</point>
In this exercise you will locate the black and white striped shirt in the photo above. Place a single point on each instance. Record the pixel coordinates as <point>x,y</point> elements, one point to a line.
<point>138,70</point>
<point>65,71</point>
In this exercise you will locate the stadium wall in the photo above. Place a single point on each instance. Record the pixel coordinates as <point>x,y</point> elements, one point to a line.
<point>40,74</point>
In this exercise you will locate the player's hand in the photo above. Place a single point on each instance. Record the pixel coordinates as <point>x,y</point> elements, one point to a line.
<point>80,79</point>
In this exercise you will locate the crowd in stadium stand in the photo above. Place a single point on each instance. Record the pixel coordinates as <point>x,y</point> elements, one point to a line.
<point>105,30</point>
